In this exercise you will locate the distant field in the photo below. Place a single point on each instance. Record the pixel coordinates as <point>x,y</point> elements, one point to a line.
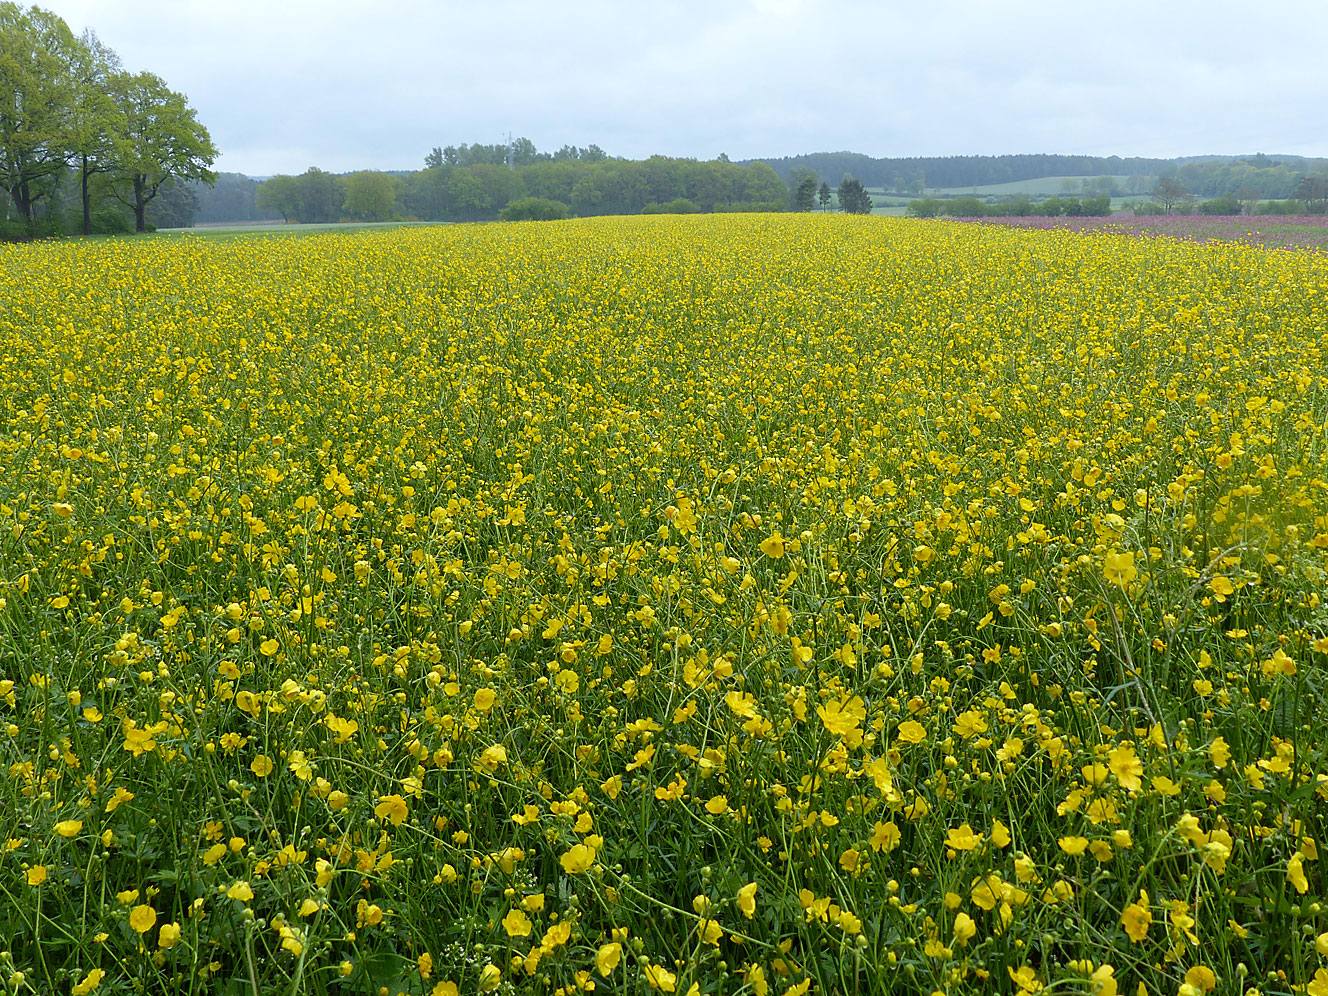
<point>1043,186</point>
<point>1285,232</point>
<point>270,227</point>
<point>889,202</point>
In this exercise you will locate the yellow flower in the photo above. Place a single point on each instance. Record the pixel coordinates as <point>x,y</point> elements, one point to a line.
<point>1136,920</point>
<point>773,546</point>
<point>143,918</point>
<point>89,982</point>
<point>1318,986</point>
<point>841,719</point>
<point>69,828</point>
<point>747,899</point>
<point>391,807</point>
<point>1118,568</point>
<point>484,699</point>
<point>963,838</point>
<point>1295,874</point>
<point>659,977</point>
<point>36,875</point>
<point>517,924</point>
<point>1201,977</point>
<point>261,766</point>
<point>169,935</point>
<point>885,836</point>
<point>490,976</point>
<point>1073,846</point>
<point>1104,981</point>
<point>911,732</point>
<point>607,958</point>
<point>964,928</point>
<point>1127,767</point>
<point>1025,978</point>
<point>240,891</point>
<point>578,858</point>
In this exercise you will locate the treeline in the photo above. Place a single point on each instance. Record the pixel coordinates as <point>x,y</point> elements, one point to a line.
<point>77,129</point>
<point>1215,176</point>
<point>1256,178</point>
<point>1018,206</point>
<point>458,184</point>
<point>921,172</point>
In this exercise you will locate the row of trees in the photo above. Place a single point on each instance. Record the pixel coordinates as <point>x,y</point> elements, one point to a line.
<point>1018,206</point>
<point>455,187</point>
<point>69,113</point>
<point>1213,176</point>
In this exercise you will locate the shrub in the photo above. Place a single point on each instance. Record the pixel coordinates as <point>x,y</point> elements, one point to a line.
<point>533,209</point>
<point>967,207</point>
<point>680,205</point>
<point>923,207</point>
<point>110,221</point>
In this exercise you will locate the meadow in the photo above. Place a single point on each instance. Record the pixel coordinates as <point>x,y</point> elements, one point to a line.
<point>759,604</point>
<point>1265,231</point>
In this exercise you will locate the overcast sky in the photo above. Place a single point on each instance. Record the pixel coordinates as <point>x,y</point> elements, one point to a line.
<point>286,84</point>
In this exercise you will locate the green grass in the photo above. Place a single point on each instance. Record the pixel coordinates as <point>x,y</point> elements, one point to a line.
<point>223,230</point>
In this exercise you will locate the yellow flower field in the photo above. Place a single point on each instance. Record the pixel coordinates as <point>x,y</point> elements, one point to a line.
<point>774,604</point>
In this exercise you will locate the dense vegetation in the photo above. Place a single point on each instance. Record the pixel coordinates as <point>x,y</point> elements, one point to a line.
<point>482,190</point>
<point>1209,176</point>
<point>76,128</point>
<point>688,605</point>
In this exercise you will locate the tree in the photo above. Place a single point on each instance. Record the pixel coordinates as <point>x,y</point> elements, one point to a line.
<point>1313,190</point>
<point>434,159</point>
<point>1169,192</point>
<point>467,194</point>
<point>799,175</point>
<point>533,209</point>
<point>924,207</point>
<point>318,197</point>
<point>278,195</point>
<point>1246,195</point>
<point>853,197</point>
<point>369,195</point>
<point>37,93</point>
<point>805,195</point>
<point>161,141</point>
<point>524,152</point>
<point>824,195</point>
<point>95,119</point>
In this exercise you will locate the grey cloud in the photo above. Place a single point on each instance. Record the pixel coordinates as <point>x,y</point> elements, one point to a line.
<point>285,84</point>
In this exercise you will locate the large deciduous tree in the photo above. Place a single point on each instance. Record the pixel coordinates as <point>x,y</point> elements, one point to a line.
<point>161,141</point>
<point>370,195</point>
<point>1169,192</point>
<point>96,120</point>
<point>37,88</point>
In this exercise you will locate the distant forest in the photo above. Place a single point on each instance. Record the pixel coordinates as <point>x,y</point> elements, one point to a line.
<point>479,182</point>
<point>1204,176</point>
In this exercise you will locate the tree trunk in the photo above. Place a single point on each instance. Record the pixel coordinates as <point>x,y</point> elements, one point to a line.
<point>87,204</point>
<point>140,206</point>
<point>23,200</point>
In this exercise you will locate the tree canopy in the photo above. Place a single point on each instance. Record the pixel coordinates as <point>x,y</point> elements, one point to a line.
<point>68,111</point>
